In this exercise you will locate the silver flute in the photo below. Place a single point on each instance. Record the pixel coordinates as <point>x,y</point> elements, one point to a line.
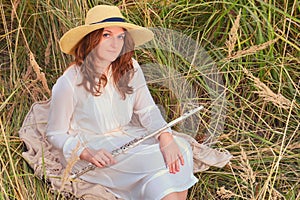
<point>137,141</point>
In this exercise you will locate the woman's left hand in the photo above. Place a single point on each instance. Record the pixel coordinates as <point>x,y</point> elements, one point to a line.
<point>171,153</point>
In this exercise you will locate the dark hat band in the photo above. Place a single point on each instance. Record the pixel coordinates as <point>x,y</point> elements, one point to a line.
<point>112,19</point>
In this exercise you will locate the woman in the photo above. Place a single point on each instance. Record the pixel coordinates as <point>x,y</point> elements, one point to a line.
<point>102,102</point>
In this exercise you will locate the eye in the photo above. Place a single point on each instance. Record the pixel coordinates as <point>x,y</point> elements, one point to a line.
<point>121,37</point>
<point>106,35</point>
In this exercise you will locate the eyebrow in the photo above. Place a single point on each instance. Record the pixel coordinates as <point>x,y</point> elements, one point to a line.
<point>112,32</point>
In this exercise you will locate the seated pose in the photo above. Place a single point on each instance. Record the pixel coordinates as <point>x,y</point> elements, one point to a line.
<point>102,102</point>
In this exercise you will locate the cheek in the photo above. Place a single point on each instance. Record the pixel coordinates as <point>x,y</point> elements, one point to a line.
<point>120,45</point>
<point>99,50</point>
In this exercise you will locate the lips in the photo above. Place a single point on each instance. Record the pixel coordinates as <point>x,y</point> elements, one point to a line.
<point>112,51</point>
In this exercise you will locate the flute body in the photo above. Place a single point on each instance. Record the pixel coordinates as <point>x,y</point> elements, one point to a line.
<point>133,143</point>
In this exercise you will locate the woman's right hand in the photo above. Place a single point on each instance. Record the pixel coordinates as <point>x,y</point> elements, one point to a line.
<point>100,158</point>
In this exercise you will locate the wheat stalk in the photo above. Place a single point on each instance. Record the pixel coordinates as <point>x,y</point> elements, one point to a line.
<point>224,193</point>
<point>267,94</point>
<point>71,162</point>
<point>48,53</point>
<point>233,35</point>
<point>250,50</point>
<point>40,75</point>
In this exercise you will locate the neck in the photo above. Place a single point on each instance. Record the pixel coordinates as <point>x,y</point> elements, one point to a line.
<point>102,66</point>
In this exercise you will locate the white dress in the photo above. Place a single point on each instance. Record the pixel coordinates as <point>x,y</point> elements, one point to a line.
<point>108,122</point>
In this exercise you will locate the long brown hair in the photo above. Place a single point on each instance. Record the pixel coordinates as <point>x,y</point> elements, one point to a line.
<point>122,67</point>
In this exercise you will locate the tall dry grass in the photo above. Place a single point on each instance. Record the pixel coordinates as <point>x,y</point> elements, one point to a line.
<point>255,46</point>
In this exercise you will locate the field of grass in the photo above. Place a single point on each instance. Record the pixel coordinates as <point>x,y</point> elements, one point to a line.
<point>255,48</point>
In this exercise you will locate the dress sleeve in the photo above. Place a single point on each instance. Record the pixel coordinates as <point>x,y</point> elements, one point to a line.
<point>144,106</point>
<point>61,111</point>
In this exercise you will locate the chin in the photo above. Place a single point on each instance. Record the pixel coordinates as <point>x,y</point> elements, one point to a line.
<point>113,59</point>
<point>109,58</point>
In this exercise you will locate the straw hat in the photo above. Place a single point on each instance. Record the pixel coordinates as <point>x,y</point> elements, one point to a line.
<point>102,16</point>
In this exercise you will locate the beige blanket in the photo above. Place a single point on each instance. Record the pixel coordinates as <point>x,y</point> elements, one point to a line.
<point>47,161</point>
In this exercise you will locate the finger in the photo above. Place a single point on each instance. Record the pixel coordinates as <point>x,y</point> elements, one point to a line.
<point>102,162</point>
<point>181,159</point>
<point>169,165</point>
<point>97,163</point>
<point>171,168</point>
<point>109,158</point>
<point>109,161</point>
<point>177,166</point>
<point>101,159</point>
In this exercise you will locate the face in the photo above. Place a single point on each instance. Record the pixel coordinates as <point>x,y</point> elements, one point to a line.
<point>111,44</point>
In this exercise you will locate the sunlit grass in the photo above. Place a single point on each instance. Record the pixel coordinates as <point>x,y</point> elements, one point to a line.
<point>261,127</point>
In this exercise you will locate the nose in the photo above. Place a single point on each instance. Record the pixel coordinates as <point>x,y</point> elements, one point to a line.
<point>113,42</point>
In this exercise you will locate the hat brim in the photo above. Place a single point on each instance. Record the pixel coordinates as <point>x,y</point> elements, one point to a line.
<point>70,39</point>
